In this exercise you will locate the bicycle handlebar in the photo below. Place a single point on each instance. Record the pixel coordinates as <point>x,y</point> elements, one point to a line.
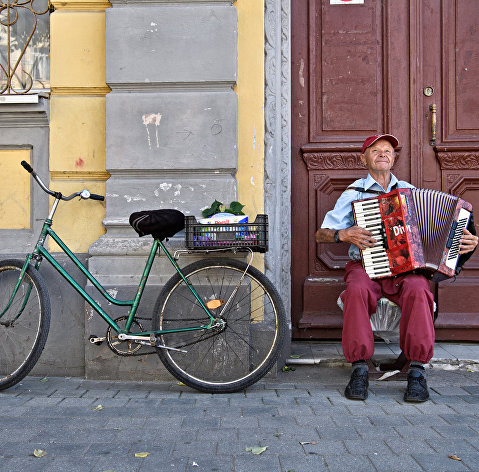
<point>84,194</point>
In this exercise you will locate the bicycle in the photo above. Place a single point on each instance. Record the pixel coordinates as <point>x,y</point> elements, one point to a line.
<point>218,324</point>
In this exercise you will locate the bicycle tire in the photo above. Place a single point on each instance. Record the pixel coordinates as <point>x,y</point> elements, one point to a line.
<point>238,355</point>
<point>21,343</point>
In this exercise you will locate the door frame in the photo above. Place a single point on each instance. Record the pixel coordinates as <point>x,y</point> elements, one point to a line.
<point>277,159</point>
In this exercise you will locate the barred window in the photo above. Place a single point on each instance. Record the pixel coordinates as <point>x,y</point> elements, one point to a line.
<point>24,46</point>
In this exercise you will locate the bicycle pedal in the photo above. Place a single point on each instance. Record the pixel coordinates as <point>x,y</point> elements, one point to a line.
<point>96,340</point>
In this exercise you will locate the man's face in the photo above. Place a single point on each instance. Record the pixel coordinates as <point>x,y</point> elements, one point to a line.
<point>379,156</point>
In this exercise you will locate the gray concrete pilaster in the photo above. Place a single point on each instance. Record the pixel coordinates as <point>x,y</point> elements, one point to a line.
<point>171,141</point>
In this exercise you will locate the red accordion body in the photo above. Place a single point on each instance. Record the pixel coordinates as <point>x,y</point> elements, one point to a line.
<point>415,229</point>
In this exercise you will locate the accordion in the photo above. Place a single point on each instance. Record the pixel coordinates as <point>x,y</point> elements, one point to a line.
<point>414,229</point>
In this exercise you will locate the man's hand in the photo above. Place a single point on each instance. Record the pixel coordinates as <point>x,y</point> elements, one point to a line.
<point>468,242</point>
<point>360,237</point>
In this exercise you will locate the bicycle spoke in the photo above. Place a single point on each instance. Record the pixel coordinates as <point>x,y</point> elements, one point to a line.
<point>241,346</point>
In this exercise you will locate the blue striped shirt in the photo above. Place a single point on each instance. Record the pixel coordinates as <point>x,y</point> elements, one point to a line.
<point>341,216</point>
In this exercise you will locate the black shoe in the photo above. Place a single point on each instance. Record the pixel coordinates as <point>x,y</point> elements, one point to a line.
<point>357,388</point>
<point>416,387</point>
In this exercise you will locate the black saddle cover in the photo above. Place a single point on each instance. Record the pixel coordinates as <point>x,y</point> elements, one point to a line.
<point>160,224</point>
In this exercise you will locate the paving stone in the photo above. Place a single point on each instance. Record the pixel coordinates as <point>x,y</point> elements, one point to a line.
<point>408,446</point>
<point>190,448</point>
<point>198,423</point>
<point>325,447</point>
<point>351,421</point>
<point>417,431</point>
<point>314,420</point>
<point>438,463</point>
<point>242,422</point>
<point>386,463</point>
<point>367,447</point>
<point>69,463</point>
<point>452,445</point>
<point>259,434</point>
<point>259,410</point>
<point>388,420</point>
<point>41,402</point>
<point>377,432</point>
<point>257,463</point>
<point>302,463</point>
<point>461,419</point>
<point>344,462</point>
<point>30,464</point>
<point>337,432</point>
<point>427,420</point>
<point>471,460</point>
<point>453,431</point>
<point>277,422</point>
<point>123,464</point>
<point>470,398</point>
<point>208,463</point>
<point>118,448</point>
<point>448,390</point>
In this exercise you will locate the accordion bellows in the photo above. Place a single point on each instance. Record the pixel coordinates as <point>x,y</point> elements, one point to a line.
<point>415,229</point>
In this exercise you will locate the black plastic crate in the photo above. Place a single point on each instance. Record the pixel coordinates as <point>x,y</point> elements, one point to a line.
<point>214,236</point>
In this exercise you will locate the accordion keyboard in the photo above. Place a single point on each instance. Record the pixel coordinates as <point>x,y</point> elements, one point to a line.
<point>455,236</point>
<point>375,259</point>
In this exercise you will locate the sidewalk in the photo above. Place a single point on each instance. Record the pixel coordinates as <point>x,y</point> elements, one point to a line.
<point>301,417</point>
<point>447,356</point>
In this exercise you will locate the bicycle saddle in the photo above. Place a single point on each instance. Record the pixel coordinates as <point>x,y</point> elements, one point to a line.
<point>160,224</point>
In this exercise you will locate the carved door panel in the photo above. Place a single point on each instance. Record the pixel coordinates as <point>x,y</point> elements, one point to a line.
<point>362,69</point>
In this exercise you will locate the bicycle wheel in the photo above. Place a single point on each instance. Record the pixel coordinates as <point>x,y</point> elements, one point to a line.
<point>250,329</point>
<point>22,339</point>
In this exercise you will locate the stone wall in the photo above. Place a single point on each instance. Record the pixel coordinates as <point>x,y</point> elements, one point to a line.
<point>171,142</point>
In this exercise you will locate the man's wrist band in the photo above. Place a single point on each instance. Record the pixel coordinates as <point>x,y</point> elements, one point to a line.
<point>336,236</point>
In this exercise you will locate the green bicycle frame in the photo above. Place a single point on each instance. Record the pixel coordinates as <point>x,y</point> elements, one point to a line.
<point>40,252</point>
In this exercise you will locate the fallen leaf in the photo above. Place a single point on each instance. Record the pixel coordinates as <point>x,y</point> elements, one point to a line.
<point>287,368</point>
<point>180,383</point>
<point>39,453</point>
<point>44,379</point>
<point>295,356</point>
<point>256,450</point>
<point>98,408</point>
<point>454,457</point>
<point>142,454</point>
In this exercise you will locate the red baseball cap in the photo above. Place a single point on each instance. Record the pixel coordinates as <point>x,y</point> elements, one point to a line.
<point>372,139</point>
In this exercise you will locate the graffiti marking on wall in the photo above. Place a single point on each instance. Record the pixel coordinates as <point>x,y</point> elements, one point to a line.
<point>152,119</point>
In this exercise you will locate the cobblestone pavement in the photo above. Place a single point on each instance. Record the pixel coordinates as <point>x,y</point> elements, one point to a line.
<point>301,417</point>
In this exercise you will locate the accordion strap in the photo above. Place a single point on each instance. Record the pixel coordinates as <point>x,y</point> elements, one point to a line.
<point>376,192</point>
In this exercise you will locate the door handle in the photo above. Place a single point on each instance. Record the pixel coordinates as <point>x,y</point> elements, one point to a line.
<point>433,109</point>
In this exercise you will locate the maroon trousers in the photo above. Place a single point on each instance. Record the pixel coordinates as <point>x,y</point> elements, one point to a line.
<point>410,291</point>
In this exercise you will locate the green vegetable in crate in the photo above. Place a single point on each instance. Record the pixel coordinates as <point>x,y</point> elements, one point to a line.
<point>218,207</point>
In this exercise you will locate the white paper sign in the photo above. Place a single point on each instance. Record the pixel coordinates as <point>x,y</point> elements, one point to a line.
<point>346,2</point>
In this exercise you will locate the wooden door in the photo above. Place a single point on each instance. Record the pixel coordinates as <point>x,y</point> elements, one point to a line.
<point>378,67</point>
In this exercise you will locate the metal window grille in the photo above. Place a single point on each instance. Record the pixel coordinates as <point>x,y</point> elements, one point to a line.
<point>24,46</point>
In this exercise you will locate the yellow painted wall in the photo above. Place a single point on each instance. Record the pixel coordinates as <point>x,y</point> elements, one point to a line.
<point>15,189</point>
<point>250,90</point>
<point>77,117</point>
